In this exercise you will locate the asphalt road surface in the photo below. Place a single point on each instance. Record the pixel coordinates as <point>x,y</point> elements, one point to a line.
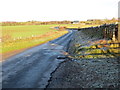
<point>32,68</point>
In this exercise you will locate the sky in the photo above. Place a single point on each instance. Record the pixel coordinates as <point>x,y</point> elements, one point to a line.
<point>57,10</point>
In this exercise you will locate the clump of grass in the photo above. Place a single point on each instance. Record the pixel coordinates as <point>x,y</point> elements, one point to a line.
<point>98,49</point>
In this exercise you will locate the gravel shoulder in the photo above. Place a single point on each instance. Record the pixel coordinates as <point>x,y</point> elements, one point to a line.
<point>86,73</point>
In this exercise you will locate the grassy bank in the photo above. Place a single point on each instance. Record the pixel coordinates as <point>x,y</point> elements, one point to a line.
<point>87,44</point>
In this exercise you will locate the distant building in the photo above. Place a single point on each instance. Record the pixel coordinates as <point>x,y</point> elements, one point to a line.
<point>75,22</point>
<point>94,19</point>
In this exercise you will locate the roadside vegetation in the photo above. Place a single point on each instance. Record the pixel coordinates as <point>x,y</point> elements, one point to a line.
<point>94,43</point>
<point>98,49</point>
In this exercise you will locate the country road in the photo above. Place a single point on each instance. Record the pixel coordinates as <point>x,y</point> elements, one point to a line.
<point>32,68</point>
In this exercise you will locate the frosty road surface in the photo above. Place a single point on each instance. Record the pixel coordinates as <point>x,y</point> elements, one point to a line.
<point>32,68</point>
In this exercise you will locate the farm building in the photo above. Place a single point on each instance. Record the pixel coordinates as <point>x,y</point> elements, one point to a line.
<point>75,22</point>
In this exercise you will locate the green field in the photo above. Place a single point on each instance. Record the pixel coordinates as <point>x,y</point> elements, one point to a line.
<point>21,37</point>
<point>25,31</point>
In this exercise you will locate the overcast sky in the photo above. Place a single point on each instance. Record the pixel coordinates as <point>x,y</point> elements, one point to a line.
<point>52,10</point>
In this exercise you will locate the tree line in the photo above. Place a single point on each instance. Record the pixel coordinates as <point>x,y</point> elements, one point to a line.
<point>34,23</point>
<point>88,22</point>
